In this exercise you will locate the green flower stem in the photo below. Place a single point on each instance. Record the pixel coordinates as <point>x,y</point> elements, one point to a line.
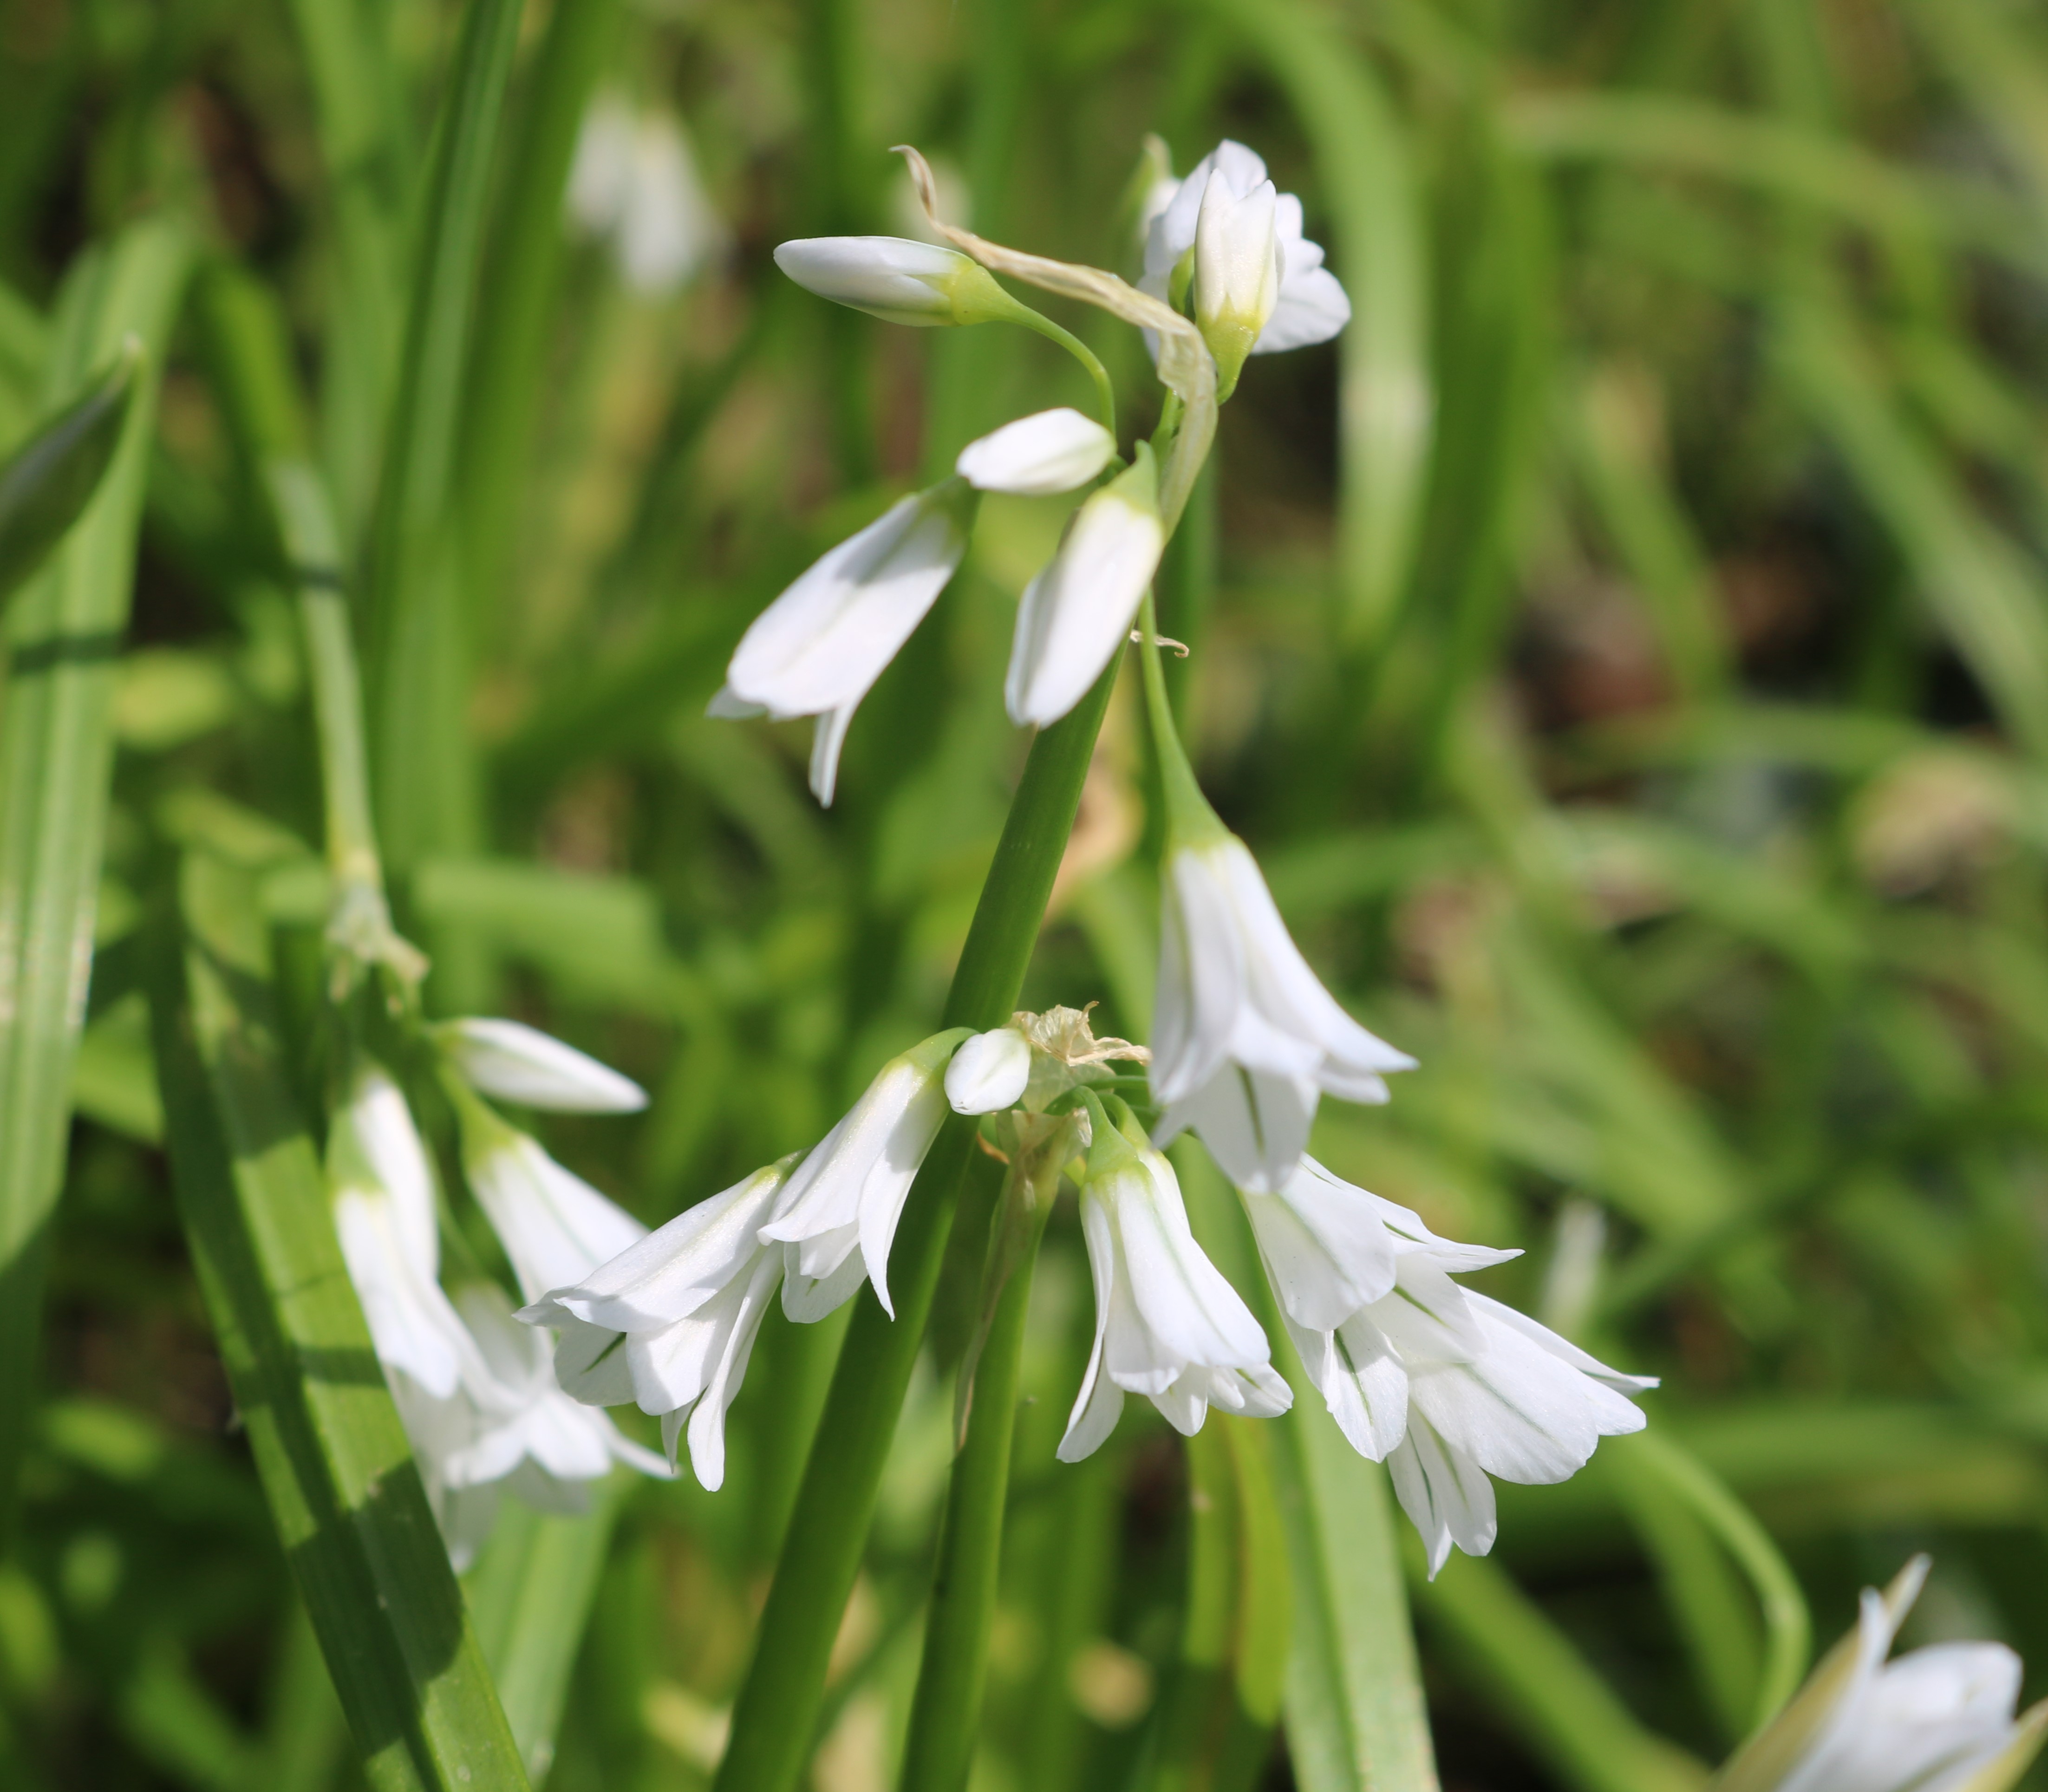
<point>946,1711</point>
<point>1188,815</point>
<point>1105,394</point>
<point>778,1706</point>
<point>249,347</point>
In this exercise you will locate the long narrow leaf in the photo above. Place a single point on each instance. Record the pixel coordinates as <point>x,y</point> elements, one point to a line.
<point>346,1496</point>
<point>57,749</point>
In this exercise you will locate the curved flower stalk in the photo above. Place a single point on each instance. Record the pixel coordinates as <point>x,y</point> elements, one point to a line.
<point>1246,1039</point>
<point>670,1324</point>
<point>844,1199</point>
<point>818,649</point>
<point>1077,613</point>
<point>1225,198</point>
<point>1937,1720</point>
<point>1168,1325</point>
<point>1444,1386</point>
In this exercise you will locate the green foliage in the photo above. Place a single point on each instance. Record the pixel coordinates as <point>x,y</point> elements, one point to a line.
<point>1626,651</point>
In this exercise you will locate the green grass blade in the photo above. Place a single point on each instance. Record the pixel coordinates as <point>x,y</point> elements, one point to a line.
<point>509,359</point>
<point>1385,403</point>
<point>57,749</point>
<point>49,481</point>
<point>420,661</point>
<point>344,1493</point>
<point>529,1598</point>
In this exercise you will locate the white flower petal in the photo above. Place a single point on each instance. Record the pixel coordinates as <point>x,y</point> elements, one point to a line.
<point>893,276</point>
<point>1446,1496</point>
<point>556,1228</point>
<point>1052,451</point>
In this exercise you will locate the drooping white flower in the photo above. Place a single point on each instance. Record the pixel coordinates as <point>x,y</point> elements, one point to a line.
<point>1936,1720</point>
<point>382,1187</point>
<point>896,279</point>
<point>1049,451</point>
<point>518,1063</point>
<point>1167,1324</point>
<point>1309,306</point>
<point>989,1072</point>
<point>670,1324</point>
<point>1245,1038</point>
<point>516,1433</point>
<point>1445,1385</point>
<point>634,181</point>
<point>1078,612</point>
<point>845,1197</point>
<point>818,649</point>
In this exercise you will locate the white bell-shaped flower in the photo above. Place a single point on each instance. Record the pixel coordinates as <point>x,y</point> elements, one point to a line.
<point>517,1063</point>
<point>1167,1324</point>
<point>1245,1038</point>
<point>382,1186</point>
<point>1078,612</point>
<point>990,1072</point>
<point>818,649</point>
<point>1309,306</point>
<point>1936,1720</point>
<point>670,1324</point>
<point>896,278</point>
<point>1049,451</point>
<point>845,1197</point>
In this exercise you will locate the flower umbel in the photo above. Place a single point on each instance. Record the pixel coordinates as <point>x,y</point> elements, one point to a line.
<point>1245,1039</point>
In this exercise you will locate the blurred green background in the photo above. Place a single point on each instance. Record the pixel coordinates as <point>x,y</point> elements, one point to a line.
<point>1627,651</point>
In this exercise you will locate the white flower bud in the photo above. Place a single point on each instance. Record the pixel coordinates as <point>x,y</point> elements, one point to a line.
<point>515,1062</point>
<point>1078,612</point>
<point>1237,271</point>
<point>1053,450</point>
<point>989,1072</point>
<point>895,279</point>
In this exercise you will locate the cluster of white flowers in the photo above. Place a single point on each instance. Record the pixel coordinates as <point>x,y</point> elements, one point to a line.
<point>480,1404</point>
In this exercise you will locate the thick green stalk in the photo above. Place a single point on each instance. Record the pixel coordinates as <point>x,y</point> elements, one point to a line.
<point>777,1707</point>
<point>509,362</point>
<point>945,1713</point>
<point>347,1498</point>
<point>427,794</point>
<point>65,633</point>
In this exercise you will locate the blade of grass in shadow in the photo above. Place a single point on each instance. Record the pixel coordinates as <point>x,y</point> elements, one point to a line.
<point>1501,1642</point>
<point>508,356</point>
<point>64,631</point>
<point>427,797</point>
<point>359,117</point>
<point>350,1511</point>
<point>1385,403</point>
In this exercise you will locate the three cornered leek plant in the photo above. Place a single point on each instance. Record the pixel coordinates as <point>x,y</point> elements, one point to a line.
<point>503,1373</point>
